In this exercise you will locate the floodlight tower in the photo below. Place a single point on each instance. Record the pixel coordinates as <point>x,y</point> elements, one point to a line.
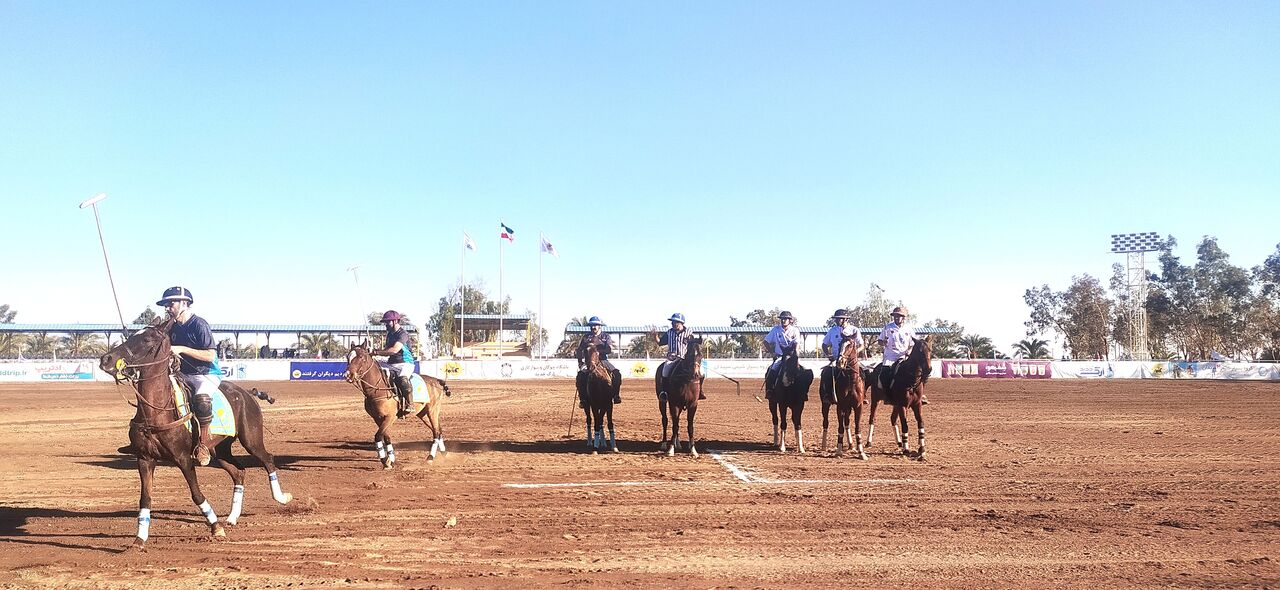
<point>1134,247</point>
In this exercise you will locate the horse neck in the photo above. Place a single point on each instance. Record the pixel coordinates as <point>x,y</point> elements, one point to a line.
<point>371,379</point>
<point>155,392</point>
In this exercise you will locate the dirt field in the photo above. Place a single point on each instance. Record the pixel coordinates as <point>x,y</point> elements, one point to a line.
<point>1027,484</point>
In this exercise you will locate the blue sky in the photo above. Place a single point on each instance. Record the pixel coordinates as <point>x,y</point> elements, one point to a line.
<point>709,158</point>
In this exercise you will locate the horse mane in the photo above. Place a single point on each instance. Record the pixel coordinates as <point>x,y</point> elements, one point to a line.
<point>689,367</point>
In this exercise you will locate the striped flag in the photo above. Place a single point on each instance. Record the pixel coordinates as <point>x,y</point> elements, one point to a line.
<point>547,247</point>
<point>467,242</point>
<point>508,233</point>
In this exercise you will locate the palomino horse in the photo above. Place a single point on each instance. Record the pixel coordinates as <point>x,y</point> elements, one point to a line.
<point>595,387</point>
<point>849,392</point>
<point>157,431</point>
<point>906,390</point>
<point>684,386</point>
<point>789,391</point>
<point>380,403</point>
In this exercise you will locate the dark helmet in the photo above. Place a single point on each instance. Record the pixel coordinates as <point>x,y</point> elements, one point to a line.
<point>391,316</point>
<point>786,315</point>
<point>676,317</point>
<point>840,314</point>
<point>595,321</point>
<point>175,294</point>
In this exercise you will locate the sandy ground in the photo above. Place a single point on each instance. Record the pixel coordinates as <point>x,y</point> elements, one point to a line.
<point>1081,484</point>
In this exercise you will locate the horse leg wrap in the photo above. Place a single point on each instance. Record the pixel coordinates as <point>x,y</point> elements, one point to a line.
<point>382,449</point>
<point>208,512</point>
<point>800,441</point>
<point>613,440</point>
<point>237,502</point>
<point>144,523</point>
<point>280,495</point>
<point>391,453</point>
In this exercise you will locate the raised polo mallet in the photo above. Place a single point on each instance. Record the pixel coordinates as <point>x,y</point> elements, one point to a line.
<point>93,202</point>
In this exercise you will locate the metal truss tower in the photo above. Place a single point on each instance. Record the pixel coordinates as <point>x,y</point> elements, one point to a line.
<point>1135,247</point>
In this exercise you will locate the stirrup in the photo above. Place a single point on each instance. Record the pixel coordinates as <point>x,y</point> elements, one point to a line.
<point>201,455</point>
<point>662,395</point>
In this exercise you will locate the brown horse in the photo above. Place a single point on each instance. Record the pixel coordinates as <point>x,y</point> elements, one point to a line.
<point>849,392</point>
<point>906,390</point>
<point>158,430</point>
<point>684,386</point>
<point>789,390</point>
<point>380,403</point>
<point>595,388</point>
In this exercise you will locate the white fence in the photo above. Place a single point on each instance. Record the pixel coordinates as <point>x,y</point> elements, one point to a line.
<point>524,368</point>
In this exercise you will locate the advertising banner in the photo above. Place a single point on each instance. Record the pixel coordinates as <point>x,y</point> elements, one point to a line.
<point>997,369</point>
<point>317,370</point>
<point>48,371</point>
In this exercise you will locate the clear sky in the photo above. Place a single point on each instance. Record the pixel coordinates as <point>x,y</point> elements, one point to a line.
<point>707,157</point>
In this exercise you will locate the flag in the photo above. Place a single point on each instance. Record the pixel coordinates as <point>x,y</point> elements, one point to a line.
<point>508,233</point>
<point>547,247</point>
<point>467,242</point>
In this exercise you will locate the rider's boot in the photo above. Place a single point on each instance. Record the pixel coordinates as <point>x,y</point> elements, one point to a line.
<point>617,386</point>
<point>202,407</point>
<point>402,396</point>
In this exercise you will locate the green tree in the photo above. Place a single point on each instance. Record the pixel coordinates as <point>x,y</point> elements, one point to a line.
<point>1266,309</point>
<point>569,345</point>
<point>646,345</point>
<point>1203,308</point>
<point>442,327</point>
<point>1031,348</point>
<point>81,345</point>
<point>6,314</point>
<point>1081,314</point>
<point>974,346</point>
<point>723,347</point>
<point>40,345</point>
<point>147,317</point>
<point>944,344</point>
<point>320,342</point>
<point>11,343</point>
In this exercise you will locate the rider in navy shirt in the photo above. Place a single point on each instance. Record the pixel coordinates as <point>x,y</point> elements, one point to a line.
<point>192,342</point>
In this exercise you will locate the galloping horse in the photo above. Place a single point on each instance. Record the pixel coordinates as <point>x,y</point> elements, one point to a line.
<point>905,391</point>
<point>849,391</point>
<point>158,429</point>
<point>380,402</point>
<point>595,387</point>
<point>684,385</point>
<point>789,391</point>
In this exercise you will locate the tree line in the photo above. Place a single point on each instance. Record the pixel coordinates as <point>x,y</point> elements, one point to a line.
<point>1194,311</point>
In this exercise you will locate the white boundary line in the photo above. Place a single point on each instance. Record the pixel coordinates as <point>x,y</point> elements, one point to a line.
<point>742,475</point>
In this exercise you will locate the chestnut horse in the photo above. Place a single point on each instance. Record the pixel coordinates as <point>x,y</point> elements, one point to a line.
<point>158,430</point>
<point>595,387</point>
<point>684,386</point>
<point>789,391</point>
<point>848,392</point>
<point>906,390</point>
<point>380,403</point>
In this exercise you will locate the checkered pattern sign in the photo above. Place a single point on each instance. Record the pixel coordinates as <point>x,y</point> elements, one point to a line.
<point>1140,242</point>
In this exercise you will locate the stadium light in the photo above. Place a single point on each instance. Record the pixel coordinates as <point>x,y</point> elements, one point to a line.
<point>1140,242</point>
<point>1134,247</point>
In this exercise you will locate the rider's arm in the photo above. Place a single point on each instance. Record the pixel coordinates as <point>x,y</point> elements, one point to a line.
<point>390,350</point>
<point>199,354</point>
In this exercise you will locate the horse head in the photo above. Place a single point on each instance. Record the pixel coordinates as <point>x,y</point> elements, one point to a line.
<point>790,365</point>
<point>695,356</point>
<point>359,362</point>
<point>594,366</point>
<point>144,351</point>
<point>848,355</point>
<point>923,351</point>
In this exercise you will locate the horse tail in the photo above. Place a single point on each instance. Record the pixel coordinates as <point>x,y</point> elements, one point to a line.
<point>262,395</point>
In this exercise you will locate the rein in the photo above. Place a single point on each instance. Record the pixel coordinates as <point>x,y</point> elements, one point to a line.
<point>135,378</point>
<point>364,385</point>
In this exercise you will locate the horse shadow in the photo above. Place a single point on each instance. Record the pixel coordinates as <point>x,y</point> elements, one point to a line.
<point>123,462</point>
<point>15,519</point>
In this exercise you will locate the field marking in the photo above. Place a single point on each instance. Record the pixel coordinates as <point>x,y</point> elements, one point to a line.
<point>742,475</point>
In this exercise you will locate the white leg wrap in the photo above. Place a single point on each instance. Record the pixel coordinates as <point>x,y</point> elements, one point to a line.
<point>800,441</point>
<point>144,523</point>
<point>237,501</point>
<point>613,439</point>
<point>208,512</point>
<point>871,429</point>
<point>276,492</point>
<point>442,450</point>
<point>391,453</point>
<point>382,449</point>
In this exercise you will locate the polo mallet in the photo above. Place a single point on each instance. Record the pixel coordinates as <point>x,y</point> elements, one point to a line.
<point>93,202</point>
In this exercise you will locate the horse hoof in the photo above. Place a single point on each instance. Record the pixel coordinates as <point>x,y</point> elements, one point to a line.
<point>138,545</point>
<point>615,450</point>
<point>595,452</point>
<point>694,452</point>
<point>285,498</point>
<point>388,465</point>
<point>862,456</point>
<point>671,451</point>
<point>219,532</point>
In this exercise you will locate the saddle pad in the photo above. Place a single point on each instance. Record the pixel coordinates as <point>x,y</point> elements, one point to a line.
<point>224,421</point>
<point>420,393</point>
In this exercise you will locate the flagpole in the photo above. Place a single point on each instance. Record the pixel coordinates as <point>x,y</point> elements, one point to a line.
<point>462,280</point>
<point>541,239</point>
<point>500,250</point>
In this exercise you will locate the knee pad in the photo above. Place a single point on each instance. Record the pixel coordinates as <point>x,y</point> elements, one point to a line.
<point>202,406</point>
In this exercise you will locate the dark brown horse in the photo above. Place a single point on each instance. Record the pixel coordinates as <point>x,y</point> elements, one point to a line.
<point>848,394</point>
<point>789,390</point>
<point>684,386</point>
<point>380,403</point>
<point>158,431</point>
<point>905,390</point>
<point>595,388</point>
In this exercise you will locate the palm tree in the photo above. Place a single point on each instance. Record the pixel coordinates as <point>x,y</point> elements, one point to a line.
<point>11,343</point>
<point>81,345</point>
<point>975,346</point>
<point>40,345</point>
<point>318,341</point>
<point>723,347</point>
<point>1034,348</point>
<point>569,345</point>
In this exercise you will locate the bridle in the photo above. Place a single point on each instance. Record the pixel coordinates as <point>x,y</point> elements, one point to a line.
<point>361,381</point>
<point>127,372</point>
